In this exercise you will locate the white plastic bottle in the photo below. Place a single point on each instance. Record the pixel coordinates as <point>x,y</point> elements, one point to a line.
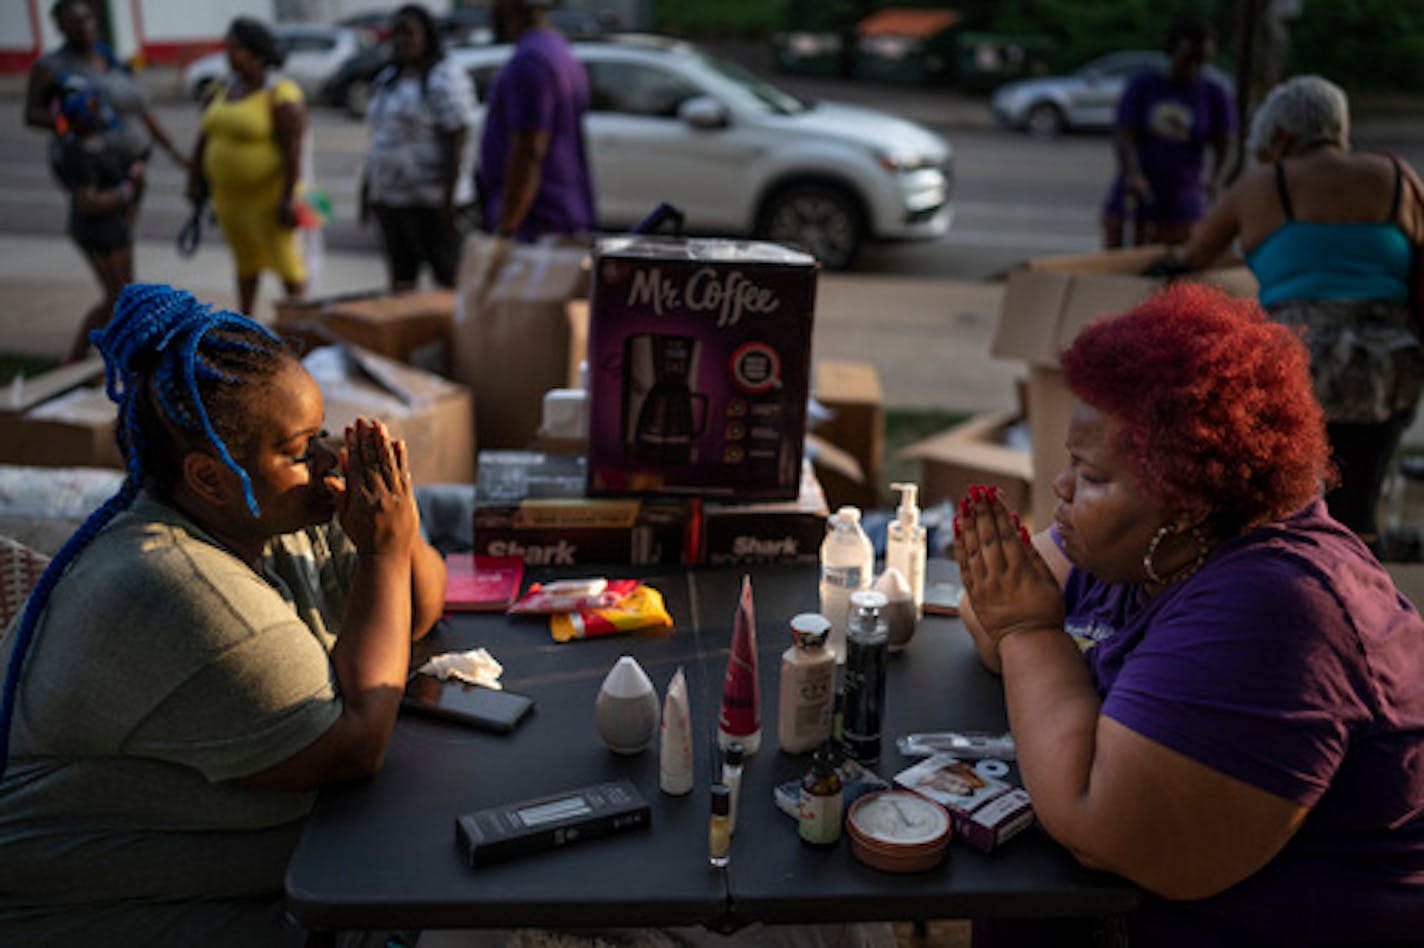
<point>808,686</point>
<point>905,544</point>
<point>847,566</point>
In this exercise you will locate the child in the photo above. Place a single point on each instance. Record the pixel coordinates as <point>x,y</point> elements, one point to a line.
<point>104,189</point>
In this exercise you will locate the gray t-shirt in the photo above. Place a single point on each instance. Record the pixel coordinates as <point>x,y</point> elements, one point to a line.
<point>162,668</point>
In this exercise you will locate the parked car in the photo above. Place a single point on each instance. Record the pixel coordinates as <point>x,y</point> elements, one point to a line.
<point>668,122</point>
<point>376,22</point>
<point>349,88</point>
<point>314,52</point>
<point>1086,99</point>
<point>471,25</point>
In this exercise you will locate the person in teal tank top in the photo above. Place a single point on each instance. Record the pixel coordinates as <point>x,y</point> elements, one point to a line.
<point>1329,235</point>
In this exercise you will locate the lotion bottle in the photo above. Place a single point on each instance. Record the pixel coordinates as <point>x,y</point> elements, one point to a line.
<point>808,686</point>
<point>905,544</point>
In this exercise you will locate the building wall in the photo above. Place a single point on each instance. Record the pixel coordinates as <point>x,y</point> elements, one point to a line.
<point>157,32</point>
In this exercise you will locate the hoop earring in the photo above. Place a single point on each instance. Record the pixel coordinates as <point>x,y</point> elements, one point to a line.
<point>1198,538</point>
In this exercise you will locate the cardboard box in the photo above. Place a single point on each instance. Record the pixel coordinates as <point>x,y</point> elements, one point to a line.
<point>412,327</point>
<point>60,419</point>
<point>852,392</point>
<point>520,330</point>
<point>433,415</point>
<point>699,367</point>
<point>975,451</point>
<point>788,531</point>
<point>532,504</point>
<point>1046,304</point>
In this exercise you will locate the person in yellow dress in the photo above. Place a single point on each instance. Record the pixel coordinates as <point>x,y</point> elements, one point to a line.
<point>247,162</point>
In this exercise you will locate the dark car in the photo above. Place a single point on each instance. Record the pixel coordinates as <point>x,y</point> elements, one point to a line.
<point>349,87</point>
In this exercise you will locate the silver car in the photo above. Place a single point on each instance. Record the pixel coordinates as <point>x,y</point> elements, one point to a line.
<point>1087,99</point>
<point>738,156</point>
<point>314,52</point>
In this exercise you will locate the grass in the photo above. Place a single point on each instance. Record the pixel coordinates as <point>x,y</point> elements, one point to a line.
<point>14,364</point>
<point>903,427</point>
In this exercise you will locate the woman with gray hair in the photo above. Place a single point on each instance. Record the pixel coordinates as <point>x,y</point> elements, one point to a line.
<point>1329,235</point>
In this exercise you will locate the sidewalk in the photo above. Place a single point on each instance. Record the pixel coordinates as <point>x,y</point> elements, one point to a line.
<point>929,338</point>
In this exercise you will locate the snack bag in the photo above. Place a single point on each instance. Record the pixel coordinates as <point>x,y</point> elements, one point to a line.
<point>641,610</point>
<point>571,595</point>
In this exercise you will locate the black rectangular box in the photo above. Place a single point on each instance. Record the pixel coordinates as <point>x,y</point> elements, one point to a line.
<point>532,504</point>
<point>787,531</point>
<point>561,819</point>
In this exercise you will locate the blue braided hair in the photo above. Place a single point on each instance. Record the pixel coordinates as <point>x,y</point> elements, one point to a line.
<point>178,371</point>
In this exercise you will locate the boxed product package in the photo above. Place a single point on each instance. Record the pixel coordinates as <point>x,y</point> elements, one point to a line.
<point>61,418</point>
<point>785,531</point>
<point>532,504</point>
<point>985,811</point>
<point>1046,303</point>
<point>699,365</point>
<point>433,415</point>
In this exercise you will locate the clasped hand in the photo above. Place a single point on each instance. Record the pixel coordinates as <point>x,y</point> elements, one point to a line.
<point>376,501</point>
<point>1009,585</point>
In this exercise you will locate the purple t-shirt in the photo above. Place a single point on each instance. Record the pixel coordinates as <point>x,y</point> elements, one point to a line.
<point>1288,661</point>
<point>542,88</point>
<point>1172,125</point>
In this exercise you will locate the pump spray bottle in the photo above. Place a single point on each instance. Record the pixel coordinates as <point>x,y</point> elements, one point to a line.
<point>905,544</point>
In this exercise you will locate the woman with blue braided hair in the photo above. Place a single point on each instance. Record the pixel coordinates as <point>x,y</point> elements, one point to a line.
<point>208,649</point>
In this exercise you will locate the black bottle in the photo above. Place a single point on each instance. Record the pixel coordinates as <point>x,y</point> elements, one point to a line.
<point>867,650</point>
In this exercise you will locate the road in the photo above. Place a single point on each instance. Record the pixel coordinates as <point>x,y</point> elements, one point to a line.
<point>1015,197</point>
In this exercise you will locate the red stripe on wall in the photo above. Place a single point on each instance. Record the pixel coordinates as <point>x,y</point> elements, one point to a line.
<point>17,60</point>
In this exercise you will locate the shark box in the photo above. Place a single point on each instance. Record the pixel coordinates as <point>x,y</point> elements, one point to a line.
<point>699,361</point>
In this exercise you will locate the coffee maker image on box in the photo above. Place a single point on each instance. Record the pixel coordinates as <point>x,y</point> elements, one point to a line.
<point>663,414</point>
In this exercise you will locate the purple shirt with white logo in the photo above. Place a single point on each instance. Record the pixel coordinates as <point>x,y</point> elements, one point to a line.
<point>542,88</point>
<point>1172,126</point>
<point>1289,661</point>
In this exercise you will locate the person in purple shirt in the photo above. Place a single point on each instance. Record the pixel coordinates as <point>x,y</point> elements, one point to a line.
<point>533,175</point>
<point>1239,726</point>
<point>1165,121</point>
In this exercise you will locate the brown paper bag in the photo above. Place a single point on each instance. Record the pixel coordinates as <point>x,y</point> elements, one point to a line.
<point>518,331</point>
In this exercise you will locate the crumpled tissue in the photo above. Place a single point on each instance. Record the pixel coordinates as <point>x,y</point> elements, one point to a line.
<point>477,666</point>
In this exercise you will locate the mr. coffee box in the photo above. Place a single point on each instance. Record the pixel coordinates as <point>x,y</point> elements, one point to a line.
<point>533,505</point>
<point>985,811</point>
<point>699,359</point>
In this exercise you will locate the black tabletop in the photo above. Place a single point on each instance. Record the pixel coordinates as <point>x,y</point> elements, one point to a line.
<point>382,853</point>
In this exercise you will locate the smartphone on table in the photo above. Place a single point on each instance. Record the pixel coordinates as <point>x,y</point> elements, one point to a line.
<point>453,700</point>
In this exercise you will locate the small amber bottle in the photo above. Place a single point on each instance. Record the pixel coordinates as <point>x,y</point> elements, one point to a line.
<point>719,826</point>
<point>820,818</point>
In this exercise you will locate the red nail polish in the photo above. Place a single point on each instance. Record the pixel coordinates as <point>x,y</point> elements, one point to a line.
<point>956,524</point>
<point>964,505</point>
<point>1023,535</point>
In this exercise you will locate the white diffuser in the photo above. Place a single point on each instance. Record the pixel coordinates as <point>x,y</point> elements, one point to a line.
<point>899,608</point>
<point>627,708</point>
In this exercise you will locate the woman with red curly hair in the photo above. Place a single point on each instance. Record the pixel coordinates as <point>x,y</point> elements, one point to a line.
<point>1235,719</point>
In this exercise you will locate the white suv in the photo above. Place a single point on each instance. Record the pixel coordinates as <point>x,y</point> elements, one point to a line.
<point>738,156</point>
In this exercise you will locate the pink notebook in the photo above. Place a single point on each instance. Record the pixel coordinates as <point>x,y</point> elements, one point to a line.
<point>481,583</point>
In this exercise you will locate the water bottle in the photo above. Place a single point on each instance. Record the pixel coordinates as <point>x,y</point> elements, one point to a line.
<point>847,565</point>
<point>867,649</point>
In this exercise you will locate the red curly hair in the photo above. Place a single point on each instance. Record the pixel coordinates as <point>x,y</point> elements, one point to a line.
<point>1215,401</point>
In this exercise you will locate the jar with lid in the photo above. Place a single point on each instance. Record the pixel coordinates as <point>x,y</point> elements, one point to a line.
<point>808,685</point>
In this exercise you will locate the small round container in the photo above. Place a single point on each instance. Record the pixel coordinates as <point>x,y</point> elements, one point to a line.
<point>898,831</point>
